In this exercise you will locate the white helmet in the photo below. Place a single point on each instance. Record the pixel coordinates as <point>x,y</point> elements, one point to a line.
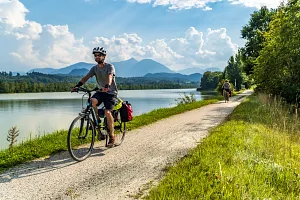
<point>99,50</point>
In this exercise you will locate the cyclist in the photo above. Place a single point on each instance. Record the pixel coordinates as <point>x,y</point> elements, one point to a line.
<point>226,87</point>
<point>105,76</point>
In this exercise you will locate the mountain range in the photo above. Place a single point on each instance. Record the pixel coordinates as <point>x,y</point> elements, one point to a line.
<point>131,68</point>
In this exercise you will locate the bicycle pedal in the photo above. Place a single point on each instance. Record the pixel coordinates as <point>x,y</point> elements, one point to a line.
<point>101,136</point>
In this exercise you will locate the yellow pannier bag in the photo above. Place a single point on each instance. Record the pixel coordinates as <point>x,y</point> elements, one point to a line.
<point>118,104</point>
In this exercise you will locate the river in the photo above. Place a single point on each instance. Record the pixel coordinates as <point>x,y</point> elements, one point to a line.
<point>41,113</point>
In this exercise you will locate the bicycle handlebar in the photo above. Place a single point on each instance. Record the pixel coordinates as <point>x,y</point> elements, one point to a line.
<point>77,89</point>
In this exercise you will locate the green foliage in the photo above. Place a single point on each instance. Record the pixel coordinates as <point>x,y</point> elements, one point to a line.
<point>250,156</point>
<point>38,82</point>
<point>253,33</point>
<point>13,133</point>
<point>277,70</point>
<point>234,73</point>
<point>186,99</point>
<point>210,80</point>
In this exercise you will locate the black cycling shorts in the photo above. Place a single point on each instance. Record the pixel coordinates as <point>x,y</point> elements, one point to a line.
<point>107,99</point>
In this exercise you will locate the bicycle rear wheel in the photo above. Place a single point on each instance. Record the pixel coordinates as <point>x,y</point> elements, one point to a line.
<point>226,96</point>
<point>81,138</point>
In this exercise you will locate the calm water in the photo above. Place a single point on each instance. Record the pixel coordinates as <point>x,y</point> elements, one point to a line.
<point>40,113</point>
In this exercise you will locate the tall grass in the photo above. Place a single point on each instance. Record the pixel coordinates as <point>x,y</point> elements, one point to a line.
<point>255,154</point>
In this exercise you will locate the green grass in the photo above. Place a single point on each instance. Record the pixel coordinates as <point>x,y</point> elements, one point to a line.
<point>57,141</point>
<point>255,154</point>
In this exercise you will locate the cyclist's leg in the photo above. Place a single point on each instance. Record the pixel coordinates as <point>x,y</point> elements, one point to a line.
<point>227,94</point>
<point>97,99</point>
<point>109,106</point>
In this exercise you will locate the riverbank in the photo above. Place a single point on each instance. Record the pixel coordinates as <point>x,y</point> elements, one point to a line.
<point>254,154</point>
<point>56,142</point>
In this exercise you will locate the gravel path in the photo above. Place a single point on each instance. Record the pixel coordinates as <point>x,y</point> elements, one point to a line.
<point>120,172</point>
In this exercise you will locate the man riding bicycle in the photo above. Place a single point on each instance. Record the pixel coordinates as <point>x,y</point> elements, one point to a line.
<point>226,86</point>
<point>105,76</point>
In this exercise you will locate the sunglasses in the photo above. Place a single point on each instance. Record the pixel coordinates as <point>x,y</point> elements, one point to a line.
<point>98,55</point>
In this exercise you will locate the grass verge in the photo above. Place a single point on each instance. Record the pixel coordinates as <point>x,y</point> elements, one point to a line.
<point>57,141</point>
<point>255,154</point>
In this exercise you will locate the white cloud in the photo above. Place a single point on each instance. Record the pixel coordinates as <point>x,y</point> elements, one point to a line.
<point>37,45</point>
<point>12,13</point>
<point>55,47</point>
<point>188,4</point>
<point>257,3</point>
<point>139,1</point>
<point>195,49</point>
<point>207,8</point>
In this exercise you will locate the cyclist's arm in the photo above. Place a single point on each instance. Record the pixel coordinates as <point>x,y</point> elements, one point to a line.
<point>110,78</point>
<point>85,78</point>
<point>111,74</point>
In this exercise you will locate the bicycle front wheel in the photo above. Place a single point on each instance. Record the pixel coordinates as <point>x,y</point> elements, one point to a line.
<point>81,138</point>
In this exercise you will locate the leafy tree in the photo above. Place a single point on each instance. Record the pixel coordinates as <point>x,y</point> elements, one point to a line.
<point>253,32</point>
<point>233,71</point>
<point>277,70</point>
<point>210,80</point>
<point>4,87</point>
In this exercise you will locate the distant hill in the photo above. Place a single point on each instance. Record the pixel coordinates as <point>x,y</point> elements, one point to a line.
<point>123,68</point>
<point>44,70</point>
<point>65,70</point>
<point>126,68</point>
<point>78,72</point>
<point>21,73</point>
<point>175,76</point>
<point>80,65</point>
<point>148,66</point>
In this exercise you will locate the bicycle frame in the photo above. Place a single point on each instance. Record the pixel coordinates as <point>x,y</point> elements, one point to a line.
<point>90,109</point>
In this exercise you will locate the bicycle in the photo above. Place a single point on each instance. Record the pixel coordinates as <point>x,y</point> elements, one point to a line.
<point>89,126</point>
<point>226,95</point>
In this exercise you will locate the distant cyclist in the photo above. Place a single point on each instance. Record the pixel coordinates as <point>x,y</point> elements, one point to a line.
<point>226,87</point>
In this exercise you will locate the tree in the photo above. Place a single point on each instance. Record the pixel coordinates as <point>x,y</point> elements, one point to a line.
<point>4,87</point>
<point>210,80</point>
<point>277,70</point>
<point>253,32</point>
<point>12,87</point>
<point>233,71</point>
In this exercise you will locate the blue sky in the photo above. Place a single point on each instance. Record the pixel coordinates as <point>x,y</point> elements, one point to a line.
<point>177,33</point>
